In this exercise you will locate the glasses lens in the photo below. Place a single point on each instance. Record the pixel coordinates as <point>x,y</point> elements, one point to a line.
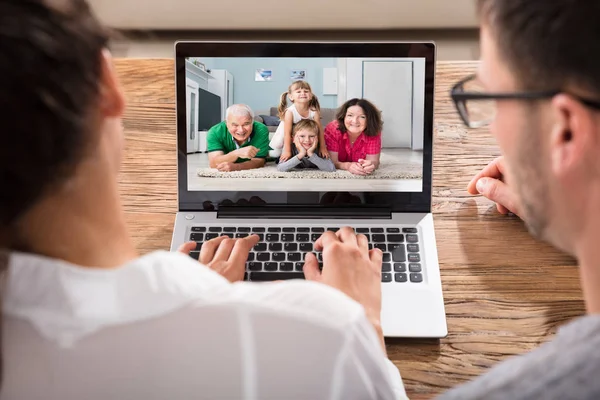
<point>479,112</point>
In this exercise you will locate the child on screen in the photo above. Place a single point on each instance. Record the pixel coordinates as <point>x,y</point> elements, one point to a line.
<point>305,143</point>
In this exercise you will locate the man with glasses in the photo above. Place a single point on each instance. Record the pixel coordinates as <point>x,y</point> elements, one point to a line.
<point>538,88</point>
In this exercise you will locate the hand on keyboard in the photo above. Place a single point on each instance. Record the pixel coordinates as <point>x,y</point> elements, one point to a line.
<point>224,255</point>
<point>349,266</point>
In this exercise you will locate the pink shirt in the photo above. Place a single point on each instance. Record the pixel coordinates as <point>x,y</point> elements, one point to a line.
<point>339,142</point>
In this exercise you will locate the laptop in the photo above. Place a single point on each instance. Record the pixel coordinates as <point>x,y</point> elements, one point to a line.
<point>289,210</point>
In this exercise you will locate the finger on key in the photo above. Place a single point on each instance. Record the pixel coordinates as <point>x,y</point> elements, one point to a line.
<point>326,237</point>
<point>207,253</point>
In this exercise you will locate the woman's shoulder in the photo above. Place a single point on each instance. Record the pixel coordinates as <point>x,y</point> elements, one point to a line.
<point>333,127</point>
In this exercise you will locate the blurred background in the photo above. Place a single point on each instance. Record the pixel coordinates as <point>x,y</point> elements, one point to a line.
<point>148,28</point>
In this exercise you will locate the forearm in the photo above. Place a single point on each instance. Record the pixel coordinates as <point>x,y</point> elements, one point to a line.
<point>254,163</point>
<point>342,165</point>
<point>321,163</point>
<point>229,157</point>
<point>289,164</point>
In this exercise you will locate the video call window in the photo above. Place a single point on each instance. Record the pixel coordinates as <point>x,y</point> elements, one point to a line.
<point>305,124</point>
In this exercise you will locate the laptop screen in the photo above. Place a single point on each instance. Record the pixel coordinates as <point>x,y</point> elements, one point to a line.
<point>278,122</point>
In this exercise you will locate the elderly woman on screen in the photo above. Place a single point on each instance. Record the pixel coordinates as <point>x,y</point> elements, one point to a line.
<point>354,138</point>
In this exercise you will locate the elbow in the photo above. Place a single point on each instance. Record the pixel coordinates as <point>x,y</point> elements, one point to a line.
<point>212,164</point>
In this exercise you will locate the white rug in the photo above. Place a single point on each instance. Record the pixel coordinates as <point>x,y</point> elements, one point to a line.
<point>389,168</point>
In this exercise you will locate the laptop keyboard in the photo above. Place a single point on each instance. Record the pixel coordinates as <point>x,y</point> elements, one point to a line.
<point>280,252</point>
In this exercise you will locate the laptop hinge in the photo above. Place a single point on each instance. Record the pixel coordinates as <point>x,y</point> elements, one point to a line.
<point>304,212</point>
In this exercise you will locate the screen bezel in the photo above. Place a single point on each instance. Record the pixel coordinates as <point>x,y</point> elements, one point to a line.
<point>372,202</point>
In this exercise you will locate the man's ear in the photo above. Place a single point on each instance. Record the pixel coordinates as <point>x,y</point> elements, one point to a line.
<point>112,98</point>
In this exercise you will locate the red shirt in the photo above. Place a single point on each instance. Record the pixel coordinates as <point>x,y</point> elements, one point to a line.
<point>339,142</point>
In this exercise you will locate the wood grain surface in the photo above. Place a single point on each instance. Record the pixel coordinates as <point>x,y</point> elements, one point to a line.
<point>505,293</point>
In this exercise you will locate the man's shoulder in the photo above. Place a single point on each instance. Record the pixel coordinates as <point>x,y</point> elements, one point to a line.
<point>219,128</point>
<point>260,128</point>
<point>565,367</point>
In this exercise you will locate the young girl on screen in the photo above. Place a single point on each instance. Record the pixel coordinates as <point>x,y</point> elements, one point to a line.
<point>305,105</point>
<point>305,143</point>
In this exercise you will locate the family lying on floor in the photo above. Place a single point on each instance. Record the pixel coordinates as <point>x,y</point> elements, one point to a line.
<point>351,142</point>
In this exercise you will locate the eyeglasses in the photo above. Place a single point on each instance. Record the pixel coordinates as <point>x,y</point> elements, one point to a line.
<point>478,108</point>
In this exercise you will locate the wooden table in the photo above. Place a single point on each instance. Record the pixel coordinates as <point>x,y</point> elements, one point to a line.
<point>505,293</point>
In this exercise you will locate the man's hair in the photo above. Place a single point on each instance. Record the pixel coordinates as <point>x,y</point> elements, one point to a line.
<point>239,110</point>
<point>549,45</point>
<point>374,121</point>
<point>50,68</point>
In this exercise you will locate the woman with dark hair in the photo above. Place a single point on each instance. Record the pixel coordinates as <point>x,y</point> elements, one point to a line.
<point>85,317</point>
<point>354,138</point>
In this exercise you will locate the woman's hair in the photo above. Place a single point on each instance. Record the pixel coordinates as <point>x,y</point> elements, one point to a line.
<point>50,71</point>
<point>307,125</point>
<point>313,104</point>
<point>374,121</point>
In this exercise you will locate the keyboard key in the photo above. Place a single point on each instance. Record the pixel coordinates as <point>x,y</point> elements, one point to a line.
<point>315,236</point>
<point>317,230</point>
<point>409,230</point>
<point>241,235</point>
<point>271,266</point>
<point>362,230</point>
<point>275,246</point>
<point>298,266</point>
<point>414,257</point>
<point>260,246</point>
<point>376,230</point>
<point>294,257</point>
<point>413,267</point>
<point>274,230</point>
<point>378,238</point>
<point>306,247</point>
<point>387,257</point>
<point>393,230</point>
<point>381,247</point>
<point>416,277</point>
<point>399,267</point>
<point>286,266</point>
<point>230,234</point>
<point>263,257</point>
<point>398,254</point>
<point>229,229</point>
<point>274,276</point>
<point>261,236</point>
<point>211,236</point>
<point>198,229</point>
<point>290,247</point>
<point>400,277</point>
<point>320,257</point>
<point>412,248</point>
<point>255,266</point>
<point>195,254</point>
<point>278,256</point>
<point>303,229</point>
<point>258,229</point>
<point>287,237</point>
<point>214,229</point>
<point>197,237</point>
<point>272,237</point>
<point>395,238</point>
<point>386,267</point>
<point>289,229</point>
<point>244,229</point>
<point>386,277</point>
<point>302,237</point>
<point>333,229</point>
<point>412,238</point>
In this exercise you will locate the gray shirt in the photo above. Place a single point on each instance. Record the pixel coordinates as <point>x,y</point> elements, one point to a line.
<point>313,161</point>
<point>567,367</point>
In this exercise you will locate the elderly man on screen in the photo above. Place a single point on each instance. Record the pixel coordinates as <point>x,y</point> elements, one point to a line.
<point>239,142</point>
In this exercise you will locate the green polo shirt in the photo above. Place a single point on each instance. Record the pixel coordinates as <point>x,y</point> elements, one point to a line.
<point>218,138</point>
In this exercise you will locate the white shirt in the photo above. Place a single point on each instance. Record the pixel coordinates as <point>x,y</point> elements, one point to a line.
<point>165,327</point>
